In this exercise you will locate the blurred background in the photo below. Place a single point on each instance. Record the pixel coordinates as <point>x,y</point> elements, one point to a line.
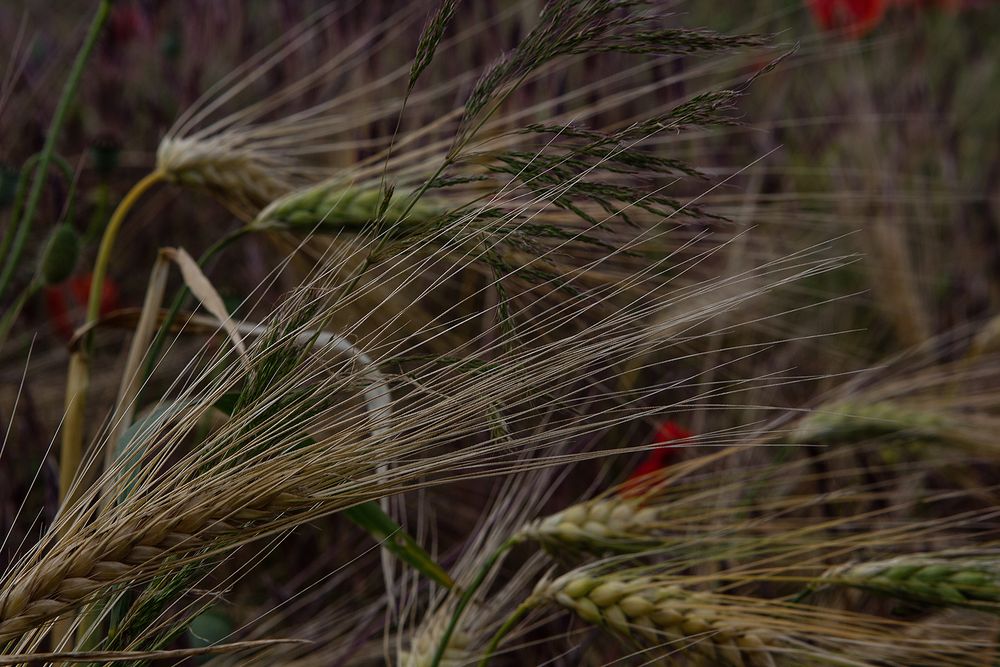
<point>882,125</point>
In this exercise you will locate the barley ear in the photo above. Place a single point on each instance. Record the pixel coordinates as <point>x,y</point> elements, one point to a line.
<point>943,582</point>
<point>640,609</point>
<point>614,523</point>
<point>245,178</point>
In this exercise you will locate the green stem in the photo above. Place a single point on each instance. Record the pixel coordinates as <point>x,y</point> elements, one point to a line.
<point>19,196</point>
<point>508,625</point>
<point>467,596</point>
<point>55,127</point>
<point>100,214</point>
<point>15,214</point>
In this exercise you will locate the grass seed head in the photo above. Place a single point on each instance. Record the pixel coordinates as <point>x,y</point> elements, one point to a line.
<point>614,523</point>
<point>637,607</point>
<point>336,206</point>
<point>248,179</point>
<point>942,582</point>
<point>425,643</point>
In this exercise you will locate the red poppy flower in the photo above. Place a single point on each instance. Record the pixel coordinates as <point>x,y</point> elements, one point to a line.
<point>854,17</point>
<point>66,302</point>
<point>128,22</point>
<point>658,459</point>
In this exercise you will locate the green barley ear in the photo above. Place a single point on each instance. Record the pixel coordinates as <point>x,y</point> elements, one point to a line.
<point>59,257</point>
<point>337,206</point>
<point>944,582</point>
<point>850,422</point>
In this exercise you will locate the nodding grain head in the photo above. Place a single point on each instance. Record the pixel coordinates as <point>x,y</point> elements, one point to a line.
<point>245,177</point>
<point>336,206</point>
<point>613,523</point>
<point>935,581</point>
<point>424,645</point>
<point>699,624</point>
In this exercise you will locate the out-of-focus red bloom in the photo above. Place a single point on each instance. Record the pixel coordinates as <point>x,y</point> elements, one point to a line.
<point>858,17</point>
<point>666,437</point>
<point>854,17</point>
<point>128,22</point>
<point>66,302</point>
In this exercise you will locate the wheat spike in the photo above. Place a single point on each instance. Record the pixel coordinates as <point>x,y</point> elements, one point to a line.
<point>851,421</point>
<point>688,620</point>
<point>248,178</point>
<point>99,557</point>
<point>425,642</point>
<point>335,205</point>
<point>935,581</point>
<point>613,522</point>
<point>256,476</point>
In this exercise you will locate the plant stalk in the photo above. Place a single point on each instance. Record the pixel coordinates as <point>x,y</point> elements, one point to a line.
<point>78,377</point>
<point>467,596</point>
<point>55,127</point>
<point>508,625</point>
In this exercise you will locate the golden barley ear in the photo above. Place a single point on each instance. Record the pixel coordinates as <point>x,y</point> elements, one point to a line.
<point>682,620</point>
<point>245,178</point>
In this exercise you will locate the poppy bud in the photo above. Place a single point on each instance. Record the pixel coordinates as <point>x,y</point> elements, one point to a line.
<point>60,254</point>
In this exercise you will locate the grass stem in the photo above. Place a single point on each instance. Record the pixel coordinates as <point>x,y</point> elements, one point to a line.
<point>23,223</point>
<point>78,378</point>
<point>467,596</point>
<point>508,625</point>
